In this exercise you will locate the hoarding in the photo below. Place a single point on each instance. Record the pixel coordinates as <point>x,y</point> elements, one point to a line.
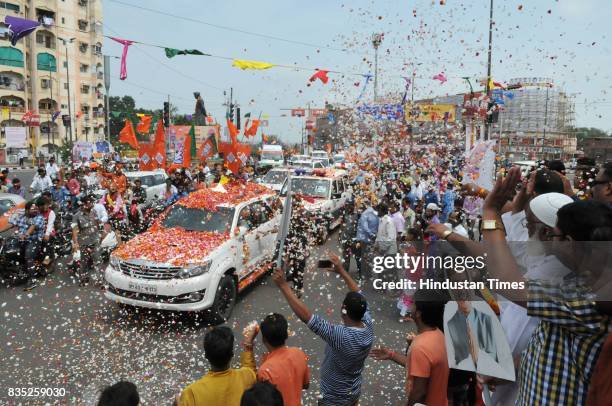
<point>433,112</point>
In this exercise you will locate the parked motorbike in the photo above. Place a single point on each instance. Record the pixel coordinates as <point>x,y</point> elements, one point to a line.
<point>12,260</point>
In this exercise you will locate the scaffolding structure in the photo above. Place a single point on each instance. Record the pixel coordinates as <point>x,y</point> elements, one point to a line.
<point>537,122</point>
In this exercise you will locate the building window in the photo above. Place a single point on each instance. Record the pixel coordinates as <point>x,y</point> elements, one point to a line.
<point>4,31</point>
<point>45,39</point>
<point>83,47</point>
<point>64,106</point>
<point>9,6</point>
<point>45,83</point>
<point>11,57</point>
<point>65,64</point>
<point>63,20</point>
<point>85,89</point>
<point>65,86</point>
<point>98,48</point>
<point>46,62</point>
<point>83,3</point>
<point>82,25</point>
<point>84,68</point>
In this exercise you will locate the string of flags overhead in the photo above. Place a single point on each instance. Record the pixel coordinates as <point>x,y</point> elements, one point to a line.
<point>319,74</point>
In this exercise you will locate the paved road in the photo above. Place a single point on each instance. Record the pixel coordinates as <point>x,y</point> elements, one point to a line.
<point>66,336</point>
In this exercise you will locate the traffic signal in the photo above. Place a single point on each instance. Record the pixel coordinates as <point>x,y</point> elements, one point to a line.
<point>166,116</point>
<point>231,112</point>
<point>238,118</point>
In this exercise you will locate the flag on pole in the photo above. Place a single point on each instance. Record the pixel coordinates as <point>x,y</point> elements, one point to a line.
<point>233,131</point>
<point>127,135</point>
<point>252,130</point>
<point>144,125</point>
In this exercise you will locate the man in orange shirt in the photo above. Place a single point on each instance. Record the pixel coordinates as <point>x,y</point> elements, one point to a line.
<point>285,367</point>
<point>426,360</point>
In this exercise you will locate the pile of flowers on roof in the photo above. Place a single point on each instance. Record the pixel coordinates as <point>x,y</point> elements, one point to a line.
<point>231,193</point>
<point>175,246</point>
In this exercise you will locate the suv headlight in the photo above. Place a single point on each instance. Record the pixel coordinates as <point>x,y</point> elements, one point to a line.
<point>114,262</point>
<point>190,272</point>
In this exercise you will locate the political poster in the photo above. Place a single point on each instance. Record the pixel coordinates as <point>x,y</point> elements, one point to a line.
<point>16,137</point>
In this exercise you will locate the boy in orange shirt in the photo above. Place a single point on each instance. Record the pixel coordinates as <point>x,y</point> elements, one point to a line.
<point>285,367</point>
<point>426,360</point>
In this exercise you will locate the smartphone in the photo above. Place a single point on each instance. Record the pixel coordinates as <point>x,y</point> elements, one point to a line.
<point>325,264</point>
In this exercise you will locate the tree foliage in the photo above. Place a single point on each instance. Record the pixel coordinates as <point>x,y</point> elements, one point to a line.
<point>583,133</point>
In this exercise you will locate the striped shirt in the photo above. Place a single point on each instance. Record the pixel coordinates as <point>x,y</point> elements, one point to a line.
<point>346,351</point>
<point>556,367</point>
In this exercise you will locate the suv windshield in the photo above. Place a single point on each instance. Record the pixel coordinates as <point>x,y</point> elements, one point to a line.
<point>309,187</point>
<point>190,219</point>
<point>272,156</point>
<point>275,177</point>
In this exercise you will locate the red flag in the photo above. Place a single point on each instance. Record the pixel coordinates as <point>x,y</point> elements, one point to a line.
<point>321,75</point>
<point>146,157</point>
<point>252,130</point>
<point>128,136</point>
<point>233,131</point>
<point>145,125</point>
<point>235,155</point>
<point>207,149</point>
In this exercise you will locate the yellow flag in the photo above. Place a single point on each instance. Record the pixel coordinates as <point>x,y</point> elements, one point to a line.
<point>5,114</point>
<point>242,64</point>
<point>265,116</point>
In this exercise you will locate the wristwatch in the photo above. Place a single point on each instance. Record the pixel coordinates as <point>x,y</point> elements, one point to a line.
<point>492,225</point>
<point>446,233</point>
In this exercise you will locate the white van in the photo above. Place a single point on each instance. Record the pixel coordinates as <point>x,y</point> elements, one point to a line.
<point>271,156</point>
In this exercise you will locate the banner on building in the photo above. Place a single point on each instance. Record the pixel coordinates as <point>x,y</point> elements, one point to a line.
<point>16,137</point>
<point>317,112</point>
<point>82,149</point>
<point>298,112</point>
<point>433,112</point>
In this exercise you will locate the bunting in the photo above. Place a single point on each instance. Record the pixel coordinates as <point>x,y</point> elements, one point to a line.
<point>367,78</point>
<point>440,77</point>
<point>19,28</point>
<point>126,44</point>
<point>242,64</point>
<point>321,75</point>
<point>171,52</point>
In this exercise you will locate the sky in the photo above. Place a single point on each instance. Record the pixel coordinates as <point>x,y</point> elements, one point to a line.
<point>566,40</point>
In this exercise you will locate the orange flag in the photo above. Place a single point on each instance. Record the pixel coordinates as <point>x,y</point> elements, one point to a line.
<point>207,149</point>
<point>252,130</point>
<point>264,137</point>
<point>233,131</point>
<point>146,158</point>
<point>128,136</point>
<point>235,155</point>
<point>145,125</point>
<point>158,150</point>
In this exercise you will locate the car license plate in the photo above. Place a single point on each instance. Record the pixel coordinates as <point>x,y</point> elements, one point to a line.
<point>138,287</point>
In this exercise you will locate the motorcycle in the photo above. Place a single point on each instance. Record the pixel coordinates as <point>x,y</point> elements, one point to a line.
<point>12,258</point>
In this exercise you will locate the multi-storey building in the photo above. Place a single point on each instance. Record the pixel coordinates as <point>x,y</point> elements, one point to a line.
<point>59,68</point>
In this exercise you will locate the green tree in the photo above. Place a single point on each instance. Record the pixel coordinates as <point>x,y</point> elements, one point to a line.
<point>583,133</point>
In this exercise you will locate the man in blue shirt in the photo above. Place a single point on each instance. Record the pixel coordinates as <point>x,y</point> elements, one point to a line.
<point>30,229</point>
<point>431,197</point>
<point>348,344</point>
<point>60,194</point>
<point>367,228</point>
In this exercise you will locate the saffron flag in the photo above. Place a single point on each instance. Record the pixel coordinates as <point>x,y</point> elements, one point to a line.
<point>321,75</point>
<point>252,130</point>
<point>264,137</point>
<point>146,159</point>
<point>207,149</point>
<point>242,64</point>
<point>145,124</point>
<point>235,155</point>
<point>127,135</point>
<point>233,131</point>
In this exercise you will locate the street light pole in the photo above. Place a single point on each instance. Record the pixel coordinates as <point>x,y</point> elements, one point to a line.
<point>66,42</point>
<point>488,85</point>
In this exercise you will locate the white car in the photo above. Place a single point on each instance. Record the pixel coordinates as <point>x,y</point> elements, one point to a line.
<point>200,254</point>
<point>325,193</point>
<point>307,164</point>
<point>8,201</point>
<point>275,178</point>
<point>154,182</point>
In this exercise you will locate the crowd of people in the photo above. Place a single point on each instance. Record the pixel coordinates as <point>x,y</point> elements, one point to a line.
<point>532,228</point>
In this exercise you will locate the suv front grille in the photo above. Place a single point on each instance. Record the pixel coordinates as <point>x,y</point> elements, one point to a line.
<point>148,272</point>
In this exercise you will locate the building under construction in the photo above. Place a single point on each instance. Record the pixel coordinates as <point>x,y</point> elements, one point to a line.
<point>535,120</point>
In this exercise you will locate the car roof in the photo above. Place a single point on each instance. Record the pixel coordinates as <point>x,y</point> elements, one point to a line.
<point>12,196</point>
<point>136,174</point>
<point>236,193</point>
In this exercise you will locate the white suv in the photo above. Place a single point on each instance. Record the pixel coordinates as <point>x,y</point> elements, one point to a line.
<point>200,254</point>
<point>325,193</point>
